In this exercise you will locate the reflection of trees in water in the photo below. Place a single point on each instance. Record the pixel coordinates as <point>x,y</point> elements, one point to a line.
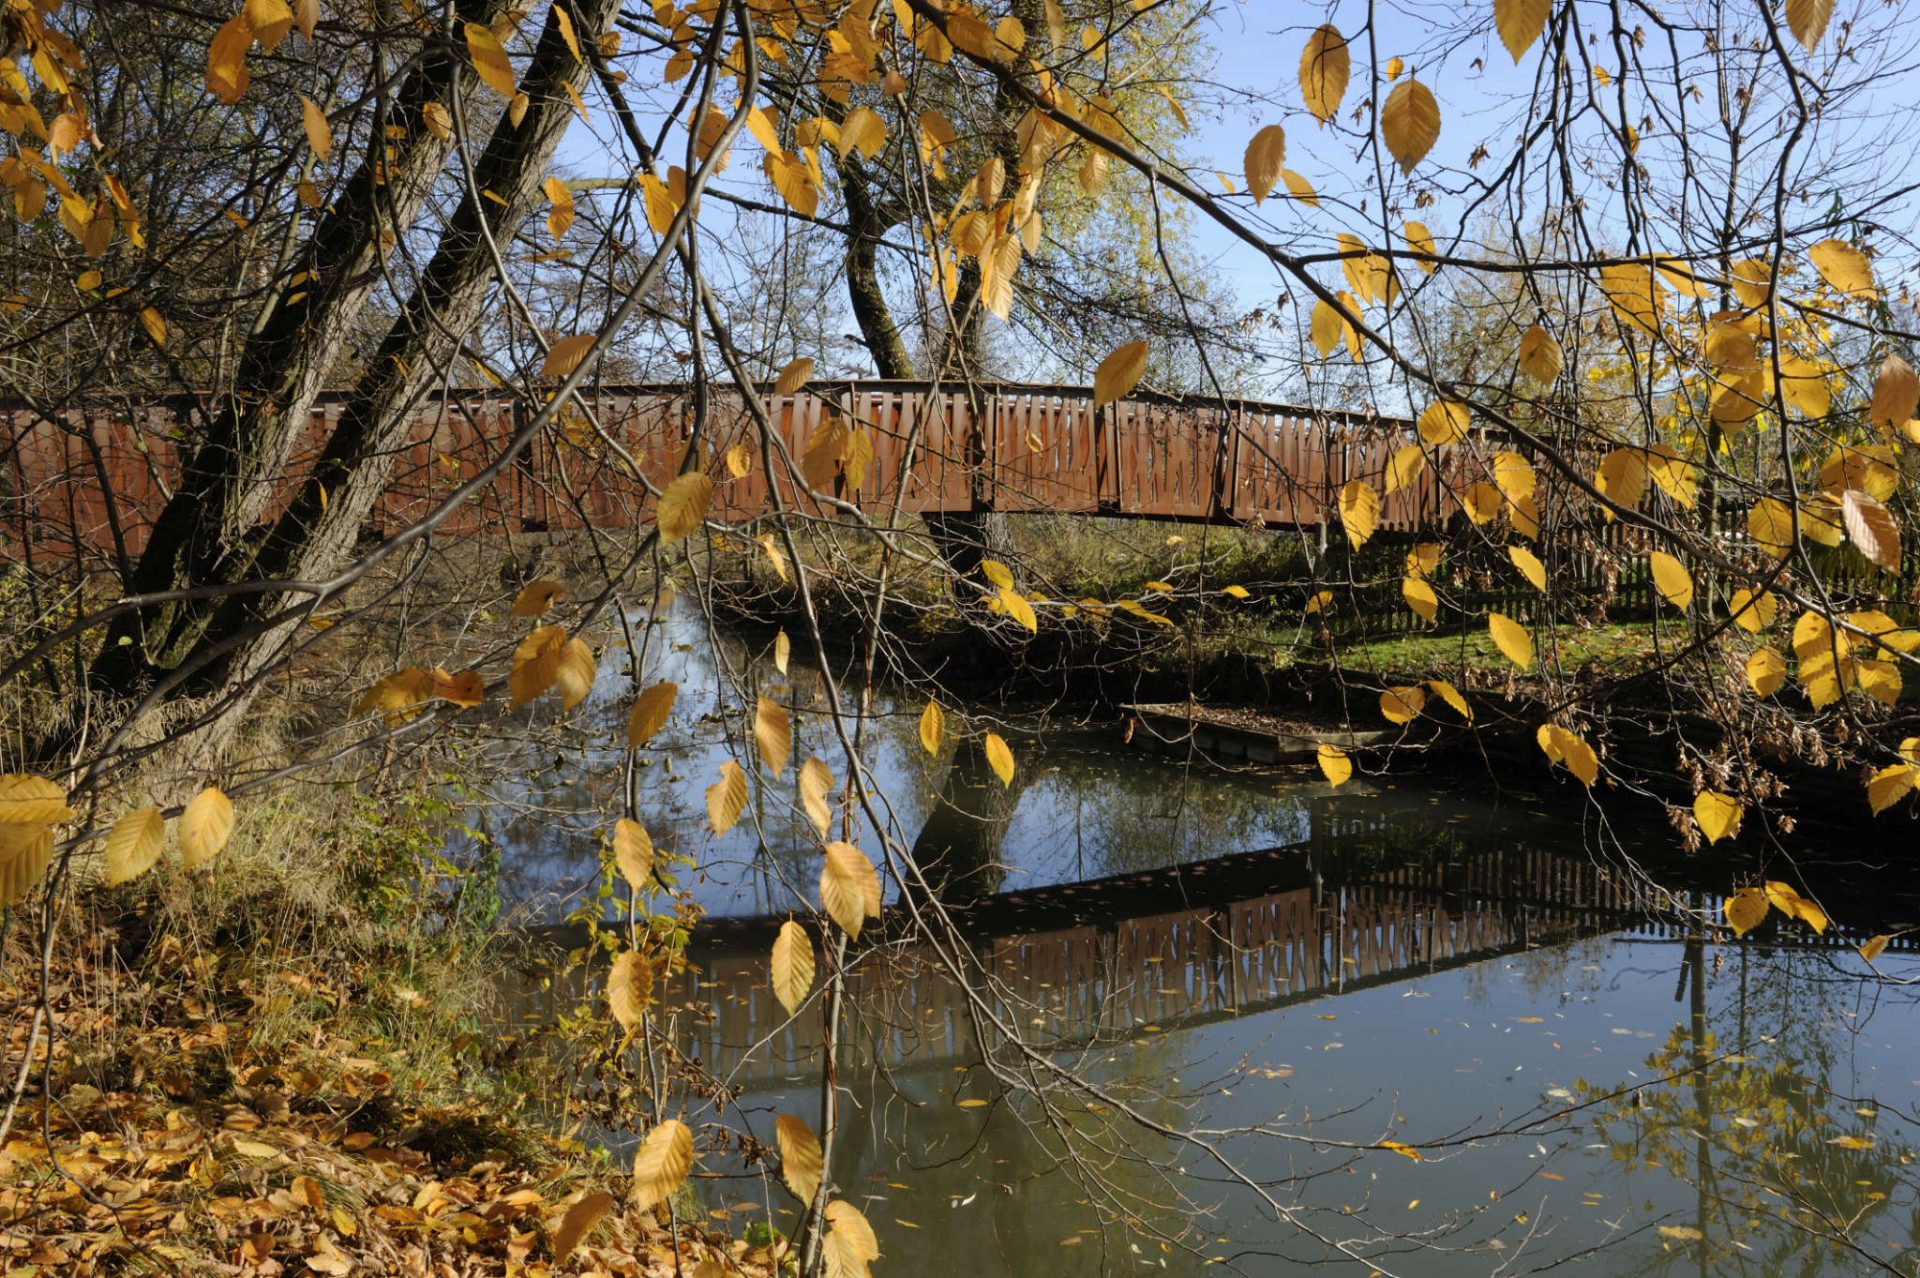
<point>1795,1168</point>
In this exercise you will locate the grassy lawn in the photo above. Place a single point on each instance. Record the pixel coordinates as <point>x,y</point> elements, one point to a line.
<point>1620,646</point>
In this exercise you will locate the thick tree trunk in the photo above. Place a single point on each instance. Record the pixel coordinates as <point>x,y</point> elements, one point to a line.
<point>960,846</point>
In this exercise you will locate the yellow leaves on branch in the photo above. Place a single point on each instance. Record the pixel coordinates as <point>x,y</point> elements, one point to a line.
<point>1752,613</point>
<point>1569,749</point>
<point>565,355</point>
<point>1748,908</point>
<point>1766,671</point>
<point>319,132</point>
<point>134,844</point>
<point>633,853</point>
<point>629,988</point>
<point>547,659</point>
<point>1671,579</point>
<point>791,968</point>
<point>1334,764</point>
<point>1444,421</point>
<point>1717,814</point>
<point>537,596</point>
<point>684,503</point>
<point>933,726</point>
<point>727,797</point>
<point>802,1163</point>
<point>1540,355</point>
<point>1410,123</point>
<point>490,61</point>
<point>1844,268</point>
<point>1325,66</point>
<point>1530,566</point>
<point>849,887</point>
<point>1420,597</point>
<point>1872,529</point>
<point>1119,373</point>
<point>794,376</point>
<point>1420,242</point>
<point>560,216</point>
<point>1359,511</point>
<point>773,735</point>
<point>662,1164</point>
<point>1402,705</point>
<point>205,826</point>
<point>850,1245</point>
<point>1520,23</point>
<point>816,782</point>
<point>1896,395</point>
<point>1265,161</point>
<point>1327,327</point>
<point>1808,19</point>
<point>29,809</point>
<point>1000,759</point>
<point>1512,639</point>
<point>649,713</point>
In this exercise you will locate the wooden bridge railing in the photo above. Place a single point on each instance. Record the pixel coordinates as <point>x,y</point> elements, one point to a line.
<point>95,479</point>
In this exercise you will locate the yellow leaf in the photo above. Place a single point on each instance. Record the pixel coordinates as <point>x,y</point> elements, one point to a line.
<point>1520,23</point>
<point>1540,356</point>
<point>1419,596</point>
<point>1717,813</point>
<point>490,61</point>
<point>573,671</point>
<point>1325,66</point>
<point>815,783</point>
<point>1752,613</point>
<point>1512,639</point>
<point>1622,477</point>
<point>1845,268</point>
<point>633,853</point>
<point>849,1243</point>
<point>1327,328</point>
<point>933,726</point>
<point>649,713</point>
<point>1896,394</point>
<point>794,376</point>
<point>1119,373</point>
<point>1403,705</point>
<point>1808,19</point>
<point>862,130</point>
<point>1571,750</point>
<point>1681,1233</point>
<point>1407,464</point>
<point>1420,240</point>
<point>1451,695</point>
<point>773,735</point>
<point>1529,565</point>
<point>1423,559</point>
<point>28,800</point>
<point>1000,759</point>
<point>849,887</point>
<point>1444,421</point>
<point>659,203</point>
<point>802,1162</point>
<point>1745,910</point>
<point>662,1164</point>
<point>319,132</point>
<point>792,967</point>
<point>1820,650</point>
<point>1873,946</point>
<point>560,216</point>
<point>205,826</point>
<point>1318,601</point>
<point>1018,608</point>
<point>629,988</point>
<point>134,844</point>
<point>1334,764</point>
<point>25,852</point>
<point>1889,785</point>
<point>1403,1149</point>
<point>1300,189</point>
<point>1766,671</point>
<point>1671,579</point>
<point>683,506</point>
<point>227,75</point>
<point>1770,524</point>
<point>727,797</point>
<point>1266,157</point>
<point>1236,591</point>
<point>155,324</point>
<point>1678,478</point>
<point>585,1213</point>
<point>1513,476</point>
<point>269,20</point>
<point>565,355</point>
<point>536,597</point>
<point>1872,528</point>
<point>1359,511</point>
<point>1410,122</point>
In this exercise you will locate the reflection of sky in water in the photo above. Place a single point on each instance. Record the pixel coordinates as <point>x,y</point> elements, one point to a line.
<point>1086,806</point>
<point>1808,1054</point>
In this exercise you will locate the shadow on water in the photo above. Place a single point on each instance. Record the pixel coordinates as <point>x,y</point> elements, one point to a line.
<point>1594,1085</point>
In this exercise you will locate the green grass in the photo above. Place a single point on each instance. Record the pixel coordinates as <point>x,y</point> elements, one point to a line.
<point>1621,646</point>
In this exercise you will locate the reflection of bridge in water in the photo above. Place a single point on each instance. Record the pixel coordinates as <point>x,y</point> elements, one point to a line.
<point>1368,900</point>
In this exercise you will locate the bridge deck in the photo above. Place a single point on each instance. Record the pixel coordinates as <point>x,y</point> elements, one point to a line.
<point>67,479</point>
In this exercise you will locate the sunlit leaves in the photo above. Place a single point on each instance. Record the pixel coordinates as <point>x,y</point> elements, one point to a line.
<point>1326,327</point>
<point>560,216</point>
<point>1325,66</point>
<point>1403,1149</point>
<point>662,1164</point>
<point>1675,476</point>
<point>1896,394</point>
<point>154,324</point>
<point>1265,160</point>
<point>791,967</point>
<point>1766,670</point>
<point>793,376</point>
<point>802,1163</point>
<point>1770,524</point>
<point>134,844</point>
<point>659,202</point>
<point>1540,355</point>
<point>1402,705</point>
<point>536,597</point>
<point>319,132</point>
<point>999,758</point>
<point>1785,899</point>
<point>1752,612</point>
<point>1407,464</point>
<point>490,61</point>
<point>849,1244</point>
<point>629,988</point>
<point>1512,639</point>
<point>862,130</point>
<point>1359,511</point>
<point>1570,750</point>
<point>1016,606</point>
<point>1622,478</point>
<point>1808,19</point>
<point>565,355</point>
<point>227,75</point>
<point>815,783</point>
<point>1717,814</point>
<point>649,713</point>
<point>1820,652</point>
<point>1871,527</point>
<point>1529,565</point>
<point>1451,695</point>
<point>1420,597</point>
<point>204,827</point>
<point>684,503</point>
<point>1745,910</point>
<point>727,797</point>
<point>1410,122</point>
<point>1119,373</point>
<point>536,665</point>
<point>933,727</point>
<point>30,800</point>
<point>1334,764</point>
<point>633,853</point>
<point>1443,422</point>
<point>1420,242</point>
<point>1635,297</point>
<point>849,887</point>
<point>25,852</point>
<point>1844,268</point>
<point>1671,579</point>
<point>1520,23</point>
<point>573,671</point>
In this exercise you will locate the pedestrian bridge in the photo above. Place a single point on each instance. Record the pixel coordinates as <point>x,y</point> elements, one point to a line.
<point>97,479</point>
